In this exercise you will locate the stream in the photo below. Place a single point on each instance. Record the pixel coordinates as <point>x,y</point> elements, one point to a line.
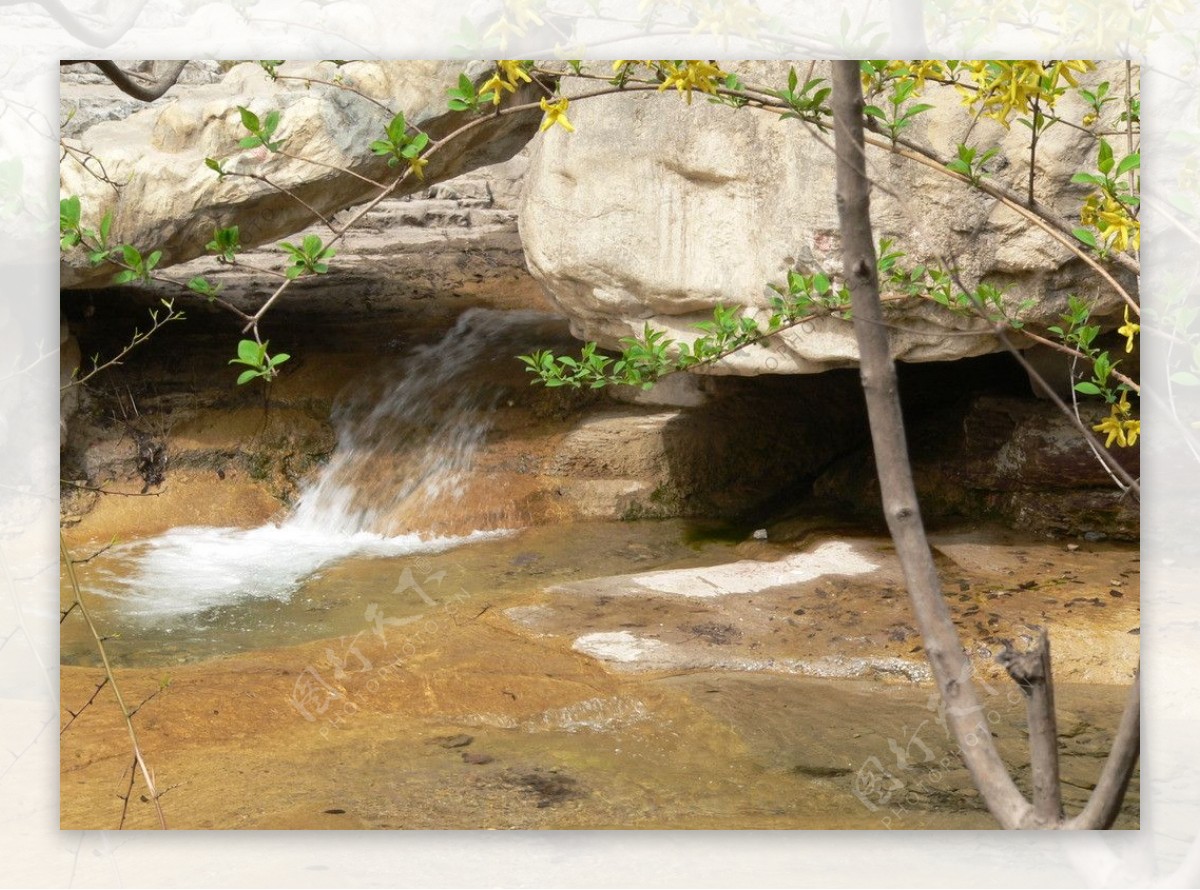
<point>367,663</point>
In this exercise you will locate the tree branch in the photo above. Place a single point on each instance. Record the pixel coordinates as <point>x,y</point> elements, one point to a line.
<point>127,85</point>
<point>1031,672</point>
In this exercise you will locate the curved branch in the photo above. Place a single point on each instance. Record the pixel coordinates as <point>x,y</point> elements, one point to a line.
<point>81,32</point>
<point>126,84</point>
<point>1105,802</point>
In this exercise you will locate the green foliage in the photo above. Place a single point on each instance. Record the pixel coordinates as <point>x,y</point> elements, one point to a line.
<point>1096,100</point>
<point>1109,214</point>
<point>201,285</point>
<point>806,296</point>
<point>260,365</point>
<point>261,131</point>
<point>893,121</point>
<point>808,104</point>
<point>1076,332</point>
<point>309,257</point>
<point>69,211</point>
<point>732,82</point>
<point>225,244</point>
<point>934,283</point>
<point>398,146</point>
<point>72,233</point>
<point>970,163</point>
<point>464,97</point>
<point>136,266</point>
<point>270,66</point>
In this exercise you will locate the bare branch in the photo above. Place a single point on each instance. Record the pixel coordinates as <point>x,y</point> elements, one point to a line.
<point>1105,802</point>
<point>126,83</point>
<point>139,760</point>
<point>1031,672</point>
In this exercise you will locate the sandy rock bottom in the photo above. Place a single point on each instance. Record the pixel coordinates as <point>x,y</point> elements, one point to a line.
<point>568,677</point>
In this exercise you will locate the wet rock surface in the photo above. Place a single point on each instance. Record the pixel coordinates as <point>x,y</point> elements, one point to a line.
<point>719,737</point>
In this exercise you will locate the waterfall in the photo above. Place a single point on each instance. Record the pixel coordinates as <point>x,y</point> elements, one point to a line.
<point>407,441</point>
<point>395,484</point>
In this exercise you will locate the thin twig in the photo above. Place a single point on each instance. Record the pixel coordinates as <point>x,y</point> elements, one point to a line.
<point>75,714</point>
<point>139,760</point>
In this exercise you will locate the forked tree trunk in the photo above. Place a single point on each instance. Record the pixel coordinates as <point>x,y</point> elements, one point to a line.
<point>950,666</point>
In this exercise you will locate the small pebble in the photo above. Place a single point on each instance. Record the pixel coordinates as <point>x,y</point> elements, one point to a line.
<point>760,534</point>
<point>477,757</point>
<point>1072,547</point>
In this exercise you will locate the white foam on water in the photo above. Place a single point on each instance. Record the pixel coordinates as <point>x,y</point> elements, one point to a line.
<point>406,443</point>
<point>752,575</point>
<point>190,569</point>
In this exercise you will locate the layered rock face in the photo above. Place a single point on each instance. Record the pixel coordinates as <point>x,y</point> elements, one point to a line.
<point>611,258</point>
<point>655,211</point>
<point>171,201</point>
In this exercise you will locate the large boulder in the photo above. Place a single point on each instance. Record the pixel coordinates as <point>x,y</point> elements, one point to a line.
<point>169,200</point>
<point>656,211</point>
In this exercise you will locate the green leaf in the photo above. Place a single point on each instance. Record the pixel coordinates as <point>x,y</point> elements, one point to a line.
<point>278,359</point>
<point>1129,162</point>
<point>201,285</point>
<point>250,142</point>
<point>917,109</point>
<point>247,376</point>
<point>69,211</point>
<point>271,123</point>
<point>124,276</point>
<point>1105,163</point>
<point>249,119</point>
<point>1086,237</point>
<point>250,353</point>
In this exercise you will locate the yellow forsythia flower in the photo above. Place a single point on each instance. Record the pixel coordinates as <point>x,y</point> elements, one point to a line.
<point>1128,330</point>
<point>1003,89</point>
<point>497,84</point>
<point>556,113</point>
<point>513,71</point>
<point>1112,219</point>
<point>694,75</point>
<point>1124,432</point>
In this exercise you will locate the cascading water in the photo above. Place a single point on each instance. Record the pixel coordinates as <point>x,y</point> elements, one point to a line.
<point>406,442</point>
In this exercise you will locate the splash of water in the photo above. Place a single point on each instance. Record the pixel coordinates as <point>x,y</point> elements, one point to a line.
<point>406,443</point>
<point>405,446</point>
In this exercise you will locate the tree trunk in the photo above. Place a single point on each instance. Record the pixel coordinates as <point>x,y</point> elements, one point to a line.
<point>951,668</point>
